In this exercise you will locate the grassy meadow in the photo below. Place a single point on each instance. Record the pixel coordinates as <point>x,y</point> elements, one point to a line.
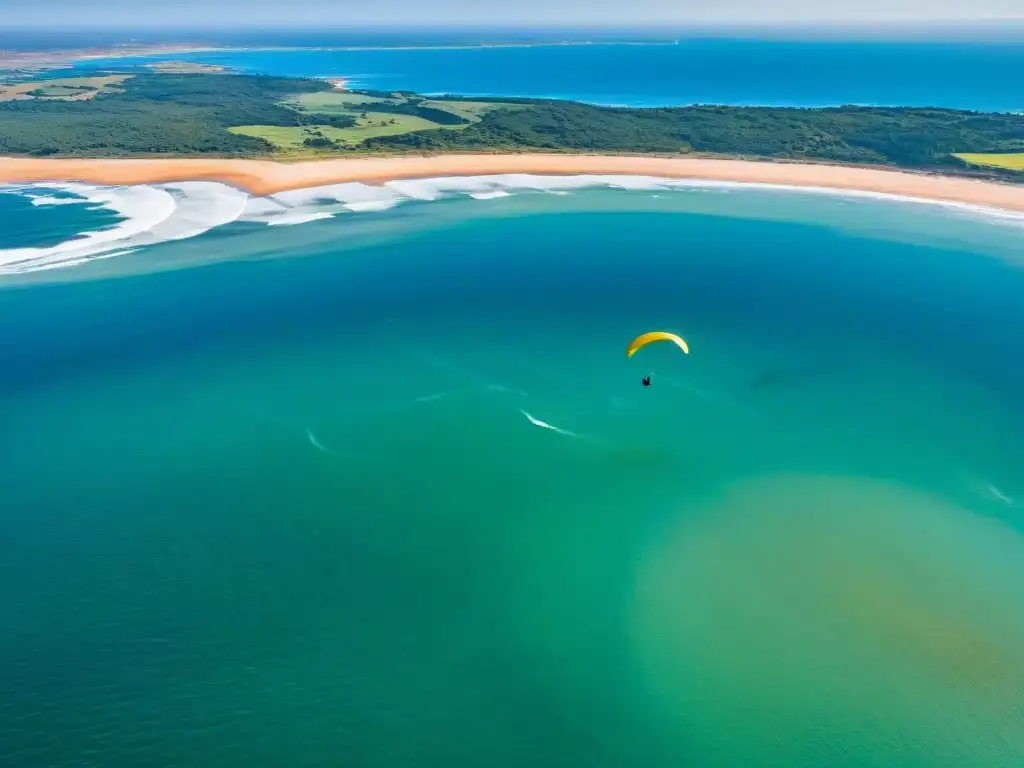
<point>62,89</point>
<point>1012,161</point>
<point>368,125</point>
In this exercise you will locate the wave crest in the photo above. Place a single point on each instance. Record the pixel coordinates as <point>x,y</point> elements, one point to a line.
<point>158,213</point>
<point>150,214</point>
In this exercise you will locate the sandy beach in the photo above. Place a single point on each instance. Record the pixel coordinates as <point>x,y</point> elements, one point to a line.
<point>264,177</point>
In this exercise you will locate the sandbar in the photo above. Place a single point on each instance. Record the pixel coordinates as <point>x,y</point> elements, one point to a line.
<point>265,177</point>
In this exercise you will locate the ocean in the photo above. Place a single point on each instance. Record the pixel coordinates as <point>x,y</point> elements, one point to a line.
<point>363,476</point>
<point>653,70</point>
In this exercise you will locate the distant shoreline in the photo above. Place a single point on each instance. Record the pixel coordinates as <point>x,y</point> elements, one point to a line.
<point>62,59</point>
<point>266,177</point>
<point>41,61</point>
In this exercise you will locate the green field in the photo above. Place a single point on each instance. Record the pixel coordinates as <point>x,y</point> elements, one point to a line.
<point>291,138</point>
<point>60,91</point>
<point>346,102</point>
<point>384,124</point>
<point>370,125</point>
<point>65,88</point>
<point>331,103</point>
<point>1012,162</point>
<point>184,67</point>
<point>469,110</point>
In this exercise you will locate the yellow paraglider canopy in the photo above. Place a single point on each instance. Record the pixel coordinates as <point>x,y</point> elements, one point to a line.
<point>646,338</point>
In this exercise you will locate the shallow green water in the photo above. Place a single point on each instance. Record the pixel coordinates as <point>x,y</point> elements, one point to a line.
<point>294,511</point>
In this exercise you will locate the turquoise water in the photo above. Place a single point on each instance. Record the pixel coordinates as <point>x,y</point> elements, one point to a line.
<point>44,218</point>
<point>294,511</point>
<point>804,73</point>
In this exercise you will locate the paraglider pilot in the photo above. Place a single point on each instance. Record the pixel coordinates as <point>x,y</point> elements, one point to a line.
<point>646,338</point>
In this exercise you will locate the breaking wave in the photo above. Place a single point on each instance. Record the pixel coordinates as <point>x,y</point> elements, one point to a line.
<point>149,215</point>
<point>157,213</point>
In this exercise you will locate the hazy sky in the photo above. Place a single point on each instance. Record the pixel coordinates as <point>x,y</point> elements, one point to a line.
<point>191,13</point>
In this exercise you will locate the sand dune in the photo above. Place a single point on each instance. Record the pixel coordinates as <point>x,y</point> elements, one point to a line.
<point>262,177</point>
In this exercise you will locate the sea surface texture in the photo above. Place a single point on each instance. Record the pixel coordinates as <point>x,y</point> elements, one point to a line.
<point>380,487</point>
<point>807,73</point>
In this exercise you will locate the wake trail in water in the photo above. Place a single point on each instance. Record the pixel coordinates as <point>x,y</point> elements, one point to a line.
<point>482,382</point>
<point>431,398</point>
<point>989,491</point>
<point>316,443</point>
<point>544,425</point>
<point>506,390</point>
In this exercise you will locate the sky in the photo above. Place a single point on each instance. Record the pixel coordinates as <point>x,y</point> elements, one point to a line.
<point>406,13</point>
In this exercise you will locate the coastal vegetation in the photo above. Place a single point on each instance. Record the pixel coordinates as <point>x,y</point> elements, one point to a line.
<point>439,111</point>
<point>330,103</point>
<point>906,137</point>
<point>159,114</point>
<point>1013,161</point>
<point>195,113</point>
<point>184,67</point>
<point>314,136</point>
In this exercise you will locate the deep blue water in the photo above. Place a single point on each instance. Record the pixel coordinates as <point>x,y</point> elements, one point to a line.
<point>964,75</point>
<point>55,217</point>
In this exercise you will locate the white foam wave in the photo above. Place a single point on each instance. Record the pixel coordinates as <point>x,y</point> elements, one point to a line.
<point>150,214</point>
<point>50,200</point>
<point>298,218</point>
<point>158,213</point>
<point>489,195</point>
<point>477,186</point>
<point>82,260</point>
<point>371,205</point>
<point>262,209</point>
<point>347,195</point>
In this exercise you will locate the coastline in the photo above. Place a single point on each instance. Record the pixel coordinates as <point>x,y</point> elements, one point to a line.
<point>41,61</point>
<point>62,59</point>
<point>267,177</point>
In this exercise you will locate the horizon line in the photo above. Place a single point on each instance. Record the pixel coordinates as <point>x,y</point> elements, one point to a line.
<point>655,25</point>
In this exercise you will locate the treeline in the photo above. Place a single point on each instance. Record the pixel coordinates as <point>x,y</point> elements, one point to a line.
<point>439,116</point>
<point>910,137</point>
<point>189,114</point>
<point>174,114</point>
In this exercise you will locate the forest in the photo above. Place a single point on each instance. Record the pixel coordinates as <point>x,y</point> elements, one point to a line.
<point>907,137</point>
<point>169,114</point>
<point>189,114</point>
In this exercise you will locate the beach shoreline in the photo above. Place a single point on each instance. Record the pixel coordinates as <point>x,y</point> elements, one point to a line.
<point>267,177</point>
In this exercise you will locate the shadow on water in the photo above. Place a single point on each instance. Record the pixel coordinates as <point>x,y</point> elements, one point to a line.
<point>782,377</point>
